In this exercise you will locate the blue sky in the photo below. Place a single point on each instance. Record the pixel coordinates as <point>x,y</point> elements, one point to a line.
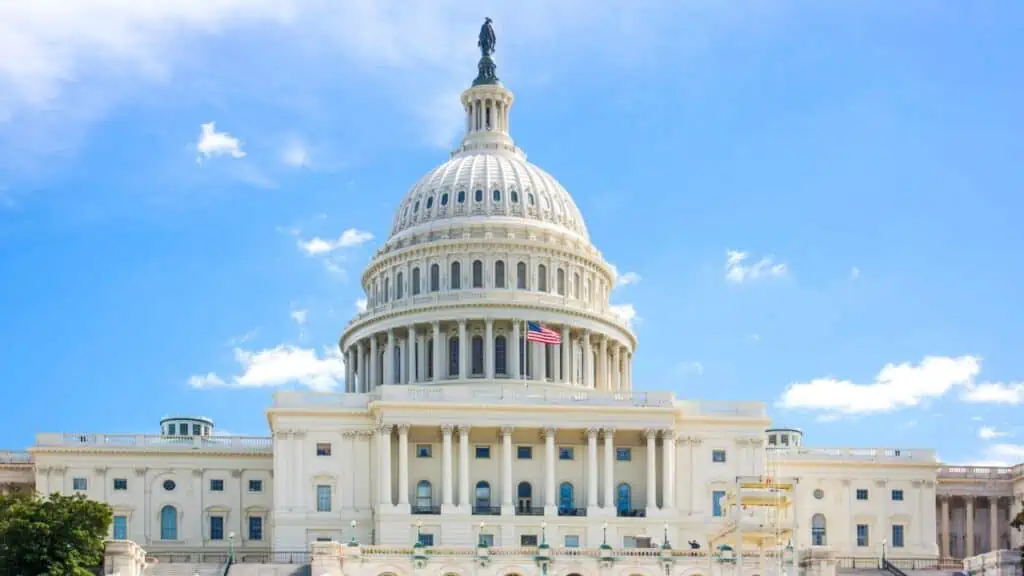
<point>818,203</point>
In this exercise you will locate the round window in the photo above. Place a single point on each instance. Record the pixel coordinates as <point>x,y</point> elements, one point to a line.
<point>169,485</point>
<point>819,494</point>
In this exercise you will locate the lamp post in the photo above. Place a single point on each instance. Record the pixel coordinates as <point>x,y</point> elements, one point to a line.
<point>544,534</point>
<point>419,531</point>
<point>604,534</point>
<point>231,547</point>
<point>480,538</point>
<point>354,541</point>
<point>884,542</point>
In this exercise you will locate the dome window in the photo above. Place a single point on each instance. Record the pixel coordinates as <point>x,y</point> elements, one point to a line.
<point>478,196</point>
<point>514,196</point>
<point>497,196</point>
<point>531,199</point>
<point>416,207</point>
<point>444,199</point>
<point>430,203</point>
<point>461,198</point>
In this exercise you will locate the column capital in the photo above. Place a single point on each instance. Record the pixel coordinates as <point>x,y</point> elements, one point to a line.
<point>464,430</point>
<point>668,434</point>
<point>651,433</point>
<point>507,430</point>
<point>608,432</point>
<point>446,429</point>
<point>968,499</point>
<point>197,472</point>
<point>993,500</point>
<point>943,497</point>
<point>547,431</point>
<point>436,324</point>
<point>386,429</point>
<point>462,322</point>
<point>404,428</point>
<point>593,432</point>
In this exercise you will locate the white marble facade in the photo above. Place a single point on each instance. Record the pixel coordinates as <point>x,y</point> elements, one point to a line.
<point>454,427</point>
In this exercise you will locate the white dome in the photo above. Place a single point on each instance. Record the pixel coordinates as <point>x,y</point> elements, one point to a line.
<point>488,182</point>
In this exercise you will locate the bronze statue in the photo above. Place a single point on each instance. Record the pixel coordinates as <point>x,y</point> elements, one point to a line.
<point>487,39</point>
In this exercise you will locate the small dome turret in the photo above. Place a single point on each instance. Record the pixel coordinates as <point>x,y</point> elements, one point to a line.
<point>186,426</point>
<point>785,437</point>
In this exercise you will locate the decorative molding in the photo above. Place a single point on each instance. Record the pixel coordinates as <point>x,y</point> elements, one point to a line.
<point>141,471</point>
<point>446,429</point>
<point>593,432</point>
<point>237,473</point>
<point>101,470</point>
<point>881,482</point>
<point>651,433</point>
<point>464,429</point>
<point>846,482</point>
<point>929,483</point>
<point>547,431</point>
<point>608,433</point>
<point>403,429</point>
<point>198,472</point>
<point>386,429</point>
<point>507,430</point>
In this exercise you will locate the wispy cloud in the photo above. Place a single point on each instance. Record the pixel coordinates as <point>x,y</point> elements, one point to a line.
<point>278,366</point>
<point>212,143</point>
<point>994,393</point>
<point>349,238</point>
<point>627,312</point>
<point>360,304</point>
<point>854,273</point>
<point>300,316</point>
<point>988,433</point>
<point>296,153</point>
<point>689,369</point>
<point>738,270</point>
<point>623,279</point>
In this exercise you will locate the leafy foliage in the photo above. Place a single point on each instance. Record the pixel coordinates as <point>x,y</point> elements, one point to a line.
<point>53,536</point>
<point>1018,522</point>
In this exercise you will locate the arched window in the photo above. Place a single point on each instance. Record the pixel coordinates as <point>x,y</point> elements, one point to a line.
<point>623,499</point>
<point>444,199</point>
<point>530,197</point>
<point>456,276</point>
<point>430,203</point>
<point>376,294</point>
<point>565,497</point>
<point>576,286</point>
<point>168,523</point>
<point>416,207</point>
<point>387,288</point>
<point>453,356</point>
<point>415,281</point>
<point>483,495</point>
<point>818,530</point>
<point>561,282</point>
<point>424,495</point>
<point>478,195</point>
<point>435,277</point>
<point>396,366</point>
<point>462,196</point>
<point>499,274</point>
<point>500,365</point>
<point>496,197</point>
<point>514,196</point>
<point>524,494</point>
<point>478,355</point>
<point>399,286</point>
<point>521,276</point>
<point>542,278</point>
<point>478,274</point>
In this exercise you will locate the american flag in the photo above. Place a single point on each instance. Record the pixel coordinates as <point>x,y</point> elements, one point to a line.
<point>535,332</point>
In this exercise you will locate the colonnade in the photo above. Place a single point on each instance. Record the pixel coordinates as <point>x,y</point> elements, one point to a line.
<point>473,349</point>
<point>605,501</point>
<point>998,519</point>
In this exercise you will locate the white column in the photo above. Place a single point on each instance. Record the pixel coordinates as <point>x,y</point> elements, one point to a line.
<point>297,482</point>
<point>349,365</point>
<point>668,466</point>
<point>616,371</point>
<point>384,444</point>
<point>421,358</point>
<point>489,349</point>
<point>403,377</point>
<point>549,470</point>
<point>592,468</point>
<point>515,349</point>
<point>629,372</point>
<point>565,349</point>
<point>403,465</point>
<point>411,356</point>
<point>609,468</point>
<point>506,469</point>
<point>374,378</point>
<point>602,365</point>
<point>446,465</point>
<point>463,359</point>
<point>437,352</point>
<point>652,470</point>
<point>464,500</point>
<point>993,524</point>
<point>541,356</point>
<point>588,362</point>
<point>389,359</point>
<point>361,372</point>
<point>969,525</point>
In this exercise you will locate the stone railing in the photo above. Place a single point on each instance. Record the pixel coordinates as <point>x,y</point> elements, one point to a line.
<point>981,472</point>
<point>250,444</point>
<point>865,454</point>
<point>15,457</point>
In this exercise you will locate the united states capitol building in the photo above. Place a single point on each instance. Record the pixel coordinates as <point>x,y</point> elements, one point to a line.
<point>462,446</point>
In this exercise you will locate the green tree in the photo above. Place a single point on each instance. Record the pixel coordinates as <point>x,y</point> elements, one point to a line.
<point>53,536</point>
<point>1018,522</point>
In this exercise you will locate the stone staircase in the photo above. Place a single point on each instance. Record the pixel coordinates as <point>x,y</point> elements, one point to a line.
<point>184,569</point>
<point>268,570</point>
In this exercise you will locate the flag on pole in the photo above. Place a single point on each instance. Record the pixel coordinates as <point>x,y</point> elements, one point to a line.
<point>535,332</point>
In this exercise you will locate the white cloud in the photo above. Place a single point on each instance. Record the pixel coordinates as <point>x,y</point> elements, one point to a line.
<point>626,279</point>
<point>988,433</point>
<point>300,316</point>
<point>296,154</point>
<point>278,366</point>
<point>627,312</point>
<point>212,143</point>
<point>348,238</point>
<point>1003,455</point>
<point>994,393</point>
<point>854,273</point>
<point>738,271</point>
<point>361,304</point>
<point>896,386</point>
<point>689,368</point>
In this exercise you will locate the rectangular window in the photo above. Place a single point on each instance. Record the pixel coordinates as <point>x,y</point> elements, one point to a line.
<point>716,503</point>
<point>323,498</point>
<point>572,541</point>
<point>216,485</point>
<point>483,452</point>
<point>524,452</point>
<point>79,484</point>
<point>323,448</point>
<point>897,536</point>
<point>718,456</point>
<point>487,539</point>
<point>424,450</point>
<point>527,540</point>
<point>120,484</point>
<point>897,495</point>
<point>629,542</point>
<point>120,527</point>
<point>197,429</point>
<point>862,535</point>
<point>426,539</point>
<point>623,454</point>
<point>216,527</point>
<point>255,528</point>
<point>862,494</point>
<point>255,485</point>
<point>565,453</point>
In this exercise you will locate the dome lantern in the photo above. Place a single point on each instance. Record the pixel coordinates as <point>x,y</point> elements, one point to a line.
<point>486,104</point>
